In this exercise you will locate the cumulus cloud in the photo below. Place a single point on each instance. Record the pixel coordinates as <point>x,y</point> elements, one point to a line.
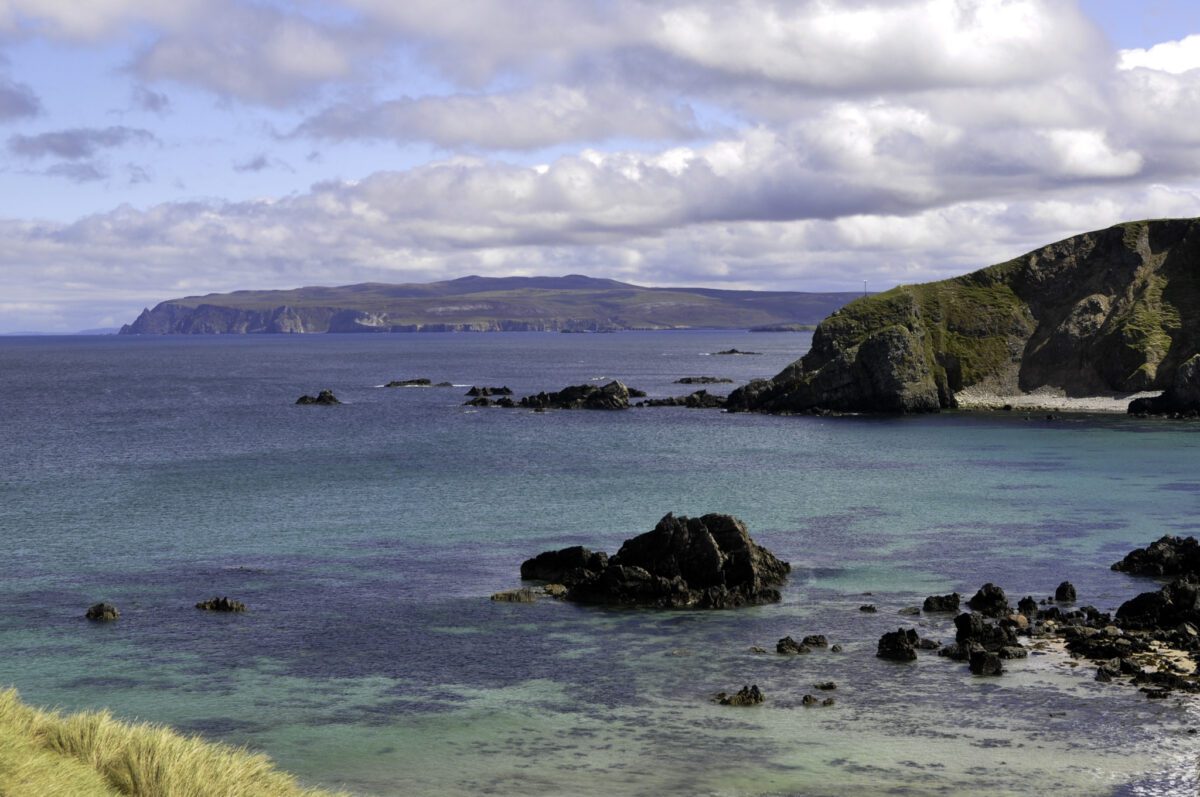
<point>1174,57</point>
<point>77,143</point>
<point>880,46</point>
<point>255,53</point>
<point>529,119</point>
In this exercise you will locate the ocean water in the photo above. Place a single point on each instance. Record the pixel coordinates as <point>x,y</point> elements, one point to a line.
<point>366,540</point>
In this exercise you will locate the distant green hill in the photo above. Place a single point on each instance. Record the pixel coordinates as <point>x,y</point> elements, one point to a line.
<point>483,304</point>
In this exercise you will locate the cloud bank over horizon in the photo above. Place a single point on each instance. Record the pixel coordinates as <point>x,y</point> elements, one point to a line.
<point>211,145</point>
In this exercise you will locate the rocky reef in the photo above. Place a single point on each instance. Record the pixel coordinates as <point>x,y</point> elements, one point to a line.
<point>613,396</point>
<point>1107,312</point>
<point>708,562</point>
<point>324,398</point>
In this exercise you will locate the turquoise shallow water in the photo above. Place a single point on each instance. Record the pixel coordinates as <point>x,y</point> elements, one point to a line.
<point>366,539</point>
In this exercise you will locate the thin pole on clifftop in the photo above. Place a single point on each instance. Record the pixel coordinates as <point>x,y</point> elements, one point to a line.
<point>864,289</point>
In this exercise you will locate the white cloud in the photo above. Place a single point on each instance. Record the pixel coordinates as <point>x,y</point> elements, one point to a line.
<point>1175,57</point>
<point>527,119</point>
<point>254,54</point>
<point>903,44</point>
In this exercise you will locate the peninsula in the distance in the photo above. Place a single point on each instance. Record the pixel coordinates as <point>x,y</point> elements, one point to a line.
<point>484,304</point>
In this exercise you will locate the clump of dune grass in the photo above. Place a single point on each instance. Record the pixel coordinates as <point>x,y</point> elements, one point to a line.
<point>90,754</point>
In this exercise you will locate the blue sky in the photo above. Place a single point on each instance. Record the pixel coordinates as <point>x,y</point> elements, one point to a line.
<point>154,150</point>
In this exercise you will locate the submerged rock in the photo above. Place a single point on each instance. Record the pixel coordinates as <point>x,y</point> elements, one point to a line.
<point>102,612</point>
<point>736,352</point>
<point>701,399</point>
<point>221,605</point>
<point>707,562</point>
<point>490,391</point>
<point>789,646</point>
<point>703,380</point>
<point>325,397</point>
<point>410,383</point>
<point>522,595</point>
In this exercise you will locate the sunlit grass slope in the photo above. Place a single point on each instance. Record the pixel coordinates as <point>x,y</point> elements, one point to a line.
<point>93,755</point>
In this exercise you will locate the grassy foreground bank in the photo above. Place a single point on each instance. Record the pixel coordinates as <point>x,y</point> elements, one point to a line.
<point>93,755</point>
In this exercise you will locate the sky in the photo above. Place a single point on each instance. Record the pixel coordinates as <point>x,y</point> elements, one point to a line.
<point>151,150</point>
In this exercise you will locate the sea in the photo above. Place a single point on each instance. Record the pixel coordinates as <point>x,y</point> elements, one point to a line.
<point>367,538</point>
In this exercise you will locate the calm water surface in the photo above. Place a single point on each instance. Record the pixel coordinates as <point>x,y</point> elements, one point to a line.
<point>367,538</point>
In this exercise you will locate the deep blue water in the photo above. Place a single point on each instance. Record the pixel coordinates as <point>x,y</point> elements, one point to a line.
<point>366,539</point>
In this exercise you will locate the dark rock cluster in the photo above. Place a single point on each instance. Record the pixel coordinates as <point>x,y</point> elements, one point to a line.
<point>706,562</point>
<point>221,605</point>
<point>703,380</point>
<point>613,396</point>
<point>941,603</point>
<point>1167,556</point>
<point>102,612</point>
<point>701,399</point>
<point>325,397</point>
<point>791,647</point>
<point>746,696</point>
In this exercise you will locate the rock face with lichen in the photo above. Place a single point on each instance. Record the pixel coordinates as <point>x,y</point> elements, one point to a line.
<point>1112,311</point>
<point>706,562</point>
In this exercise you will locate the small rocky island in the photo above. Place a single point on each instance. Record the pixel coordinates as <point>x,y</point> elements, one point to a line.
<point>325,398</point>
<point>708,562</point>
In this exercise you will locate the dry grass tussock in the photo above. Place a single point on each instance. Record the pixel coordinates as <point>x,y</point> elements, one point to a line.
<point>92,755</point>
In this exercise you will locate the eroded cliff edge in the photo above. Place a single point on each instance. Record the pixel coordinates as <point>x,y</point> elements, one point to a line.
<point>1111,311</point>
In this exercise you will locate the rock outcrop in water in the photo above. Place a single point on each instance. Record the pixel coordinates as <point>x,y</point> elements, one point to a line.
<point>221,605</point>
<point>102,613</point>
<point>1112,311</point>
<point>700,400</point>
<point>708,562</point>
<point>324,398</point>
<point>613,396</point>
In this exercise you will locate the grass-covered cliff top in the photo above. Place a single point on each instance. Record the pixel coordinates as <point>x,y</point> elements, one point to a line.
<point>44,753</point>
<point>1105,312</point>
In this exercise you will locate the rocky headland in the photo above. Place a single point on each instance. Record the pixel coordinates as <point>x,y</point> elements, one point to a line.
<point>573,303</point>
<point>1110,313</point>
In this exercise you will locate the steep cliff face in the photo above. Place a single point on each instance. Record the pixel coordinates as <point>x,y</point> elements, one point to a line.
<point>1112,311</point>
<point>209,319</point>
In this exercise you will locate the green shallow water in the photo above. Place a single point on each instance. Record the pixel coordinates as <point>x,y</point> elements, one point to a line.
<point>366,539</point>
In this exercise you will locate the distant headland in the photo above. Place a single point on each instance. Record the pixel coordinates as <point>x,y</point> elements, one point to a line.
<point>485,304</point>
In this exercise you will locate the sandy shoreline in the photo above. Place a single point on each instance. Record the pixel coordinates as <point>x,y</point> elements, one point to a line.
<point>1048,400</point>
